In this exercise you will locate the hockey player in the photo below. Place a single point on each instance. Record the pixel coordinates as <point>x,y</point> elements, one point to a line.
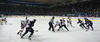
<point>23,25</point>
<point>26,17</point>
<point>63,24</point>
<point>81,23</point>
<point>51,24</point>
<point>89,23</point>
<point>57,24</point>
<point>69,22</point>
<point>3,20</point>
<point>29,29</point>
<point>86,22</point>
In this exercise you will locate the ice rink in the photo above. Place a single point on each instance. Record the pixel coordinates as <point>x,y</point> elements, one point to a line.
<point>8,33</point>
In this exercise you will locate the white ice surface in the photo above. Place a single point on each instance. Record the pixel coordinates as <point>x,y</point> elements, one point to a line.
<point>8,33</point>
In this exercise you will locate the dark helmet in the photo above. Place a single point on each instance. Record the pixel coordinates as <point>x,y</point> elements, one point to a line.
<point>60,19</point>
<point>85,18</point>
<point>53,17</point>
<point>78,19</point>
<point>34,20</point>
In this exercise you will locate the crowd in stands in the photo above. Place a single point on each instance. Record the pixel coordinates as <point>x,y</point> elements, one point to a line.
<point>80,7</point>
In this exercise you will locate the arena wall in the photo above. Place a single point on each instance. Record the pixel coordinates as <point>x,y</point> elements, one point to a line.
<point>58,17</point>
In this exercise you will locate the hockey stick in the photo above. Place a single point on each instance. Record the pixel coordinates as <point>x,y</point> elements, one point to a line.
<point>36,30</point>
<point>9,23</point>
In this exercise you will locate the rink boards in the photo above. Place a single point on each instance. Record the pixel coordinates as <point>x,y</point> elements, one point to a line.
<point>59,17</point>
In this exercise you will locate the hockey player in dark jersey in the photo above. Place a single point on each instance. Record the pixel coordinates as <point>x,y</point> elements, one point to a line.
<point>86,21</point>
<point>63,25</point>
<point>29,29</point>
<point>89,24</point>
<point>51,24</point>
<point>81,23</point>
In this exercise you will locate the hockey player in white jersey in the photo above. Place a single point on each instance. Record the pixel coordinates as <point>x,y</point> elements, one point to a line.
<point>3,20</point>
<point>57,24</point>
<point>69,22</point>
<point>23,25</point>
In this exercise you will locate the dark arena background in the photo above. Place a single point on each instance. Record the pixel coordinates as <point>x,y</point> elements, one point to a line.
<point>75,8</point>
<point>80,17</point>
